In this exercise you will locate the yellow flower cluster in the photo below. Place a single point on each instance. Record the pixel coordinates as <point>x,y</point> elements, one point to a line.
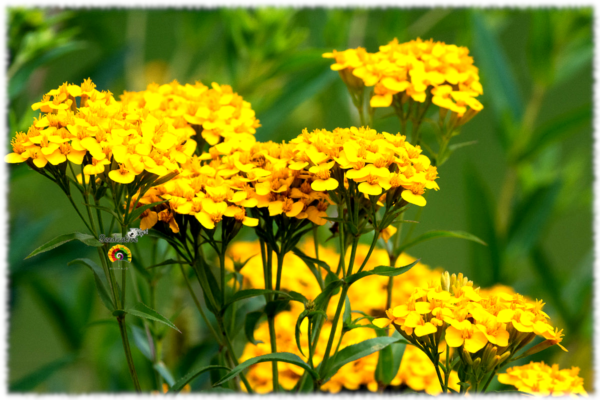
<point>235,176</point>
<point>217,113</point>
<point>490,326</point>
<point>417,69</point>
<point>144,132</point>
<point>416,371</point>
<point>293,179</point>
<point>539,379</point>
<point>376,162</point>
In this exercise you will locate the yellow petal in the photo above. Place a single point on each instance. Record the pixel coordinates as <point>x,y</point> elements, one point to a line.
<point>413,198</point>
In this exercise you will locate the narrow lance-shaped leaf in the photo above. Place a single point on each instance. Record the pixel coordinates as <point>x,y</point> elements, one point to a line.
<point>439,234</point>
<point>170,261</point>
<point>357,351</point>
<point>162,369</point>
<point>248,293</point>
<point>138,211</point>
<point>180,384</point>
<point>250,326</point>
<point>381,271</point>
<point>99,280</point>
<point>280,357</point>
<point>143,311</point>
<point>62,239</point>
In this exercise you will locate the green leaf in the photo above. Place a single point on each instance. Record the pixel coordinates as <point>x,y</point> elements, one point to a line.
<point>347,311</point>
<point>295,296</point>
<point>496,71</point>
<point>531,216</point>
<point>143,311</point>
<point>248,293</point>
<point>296,92</point>
<point>32,380</point>
<point>280,357</point>
<point>439,234</point>
<point>141,341</point>
<point>306,314</point>
<point>99,279</point>
<point>383,371</point>
<point>481,220</point>
<point>164,178</point>
<point>164,372</point>
<point>323,298</point>
<point>357,351</point>
<point>556,130</point>
<point>170,261</point>
<point>193,375</point>
<point>310,260</point>
<point>106,210</point>
<point>381,271</point>
<point>138,211</point>
<point>250,326</point>
<point>398,352</point>
<point>84,238</point>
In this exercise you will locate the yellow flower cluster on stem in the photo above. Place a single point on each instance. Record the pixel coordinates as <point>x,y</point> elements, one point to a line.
<point>416,370</point>
<point>410,77</point>
<point>486,332</point>
<point>539,379</point>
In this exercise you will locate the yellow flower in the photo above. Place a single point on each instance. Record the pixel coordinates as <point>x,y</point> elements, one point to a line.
<point>539,379</point>
<point>122,175</point>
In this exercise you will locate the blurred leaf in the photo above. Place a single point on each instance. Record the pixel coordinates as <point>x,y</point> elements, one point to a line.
<point>166,262</point>
<point>295,93</point>
<point>165,373</point>
<point>355,352</point>
<point>530,217</point>
<point>141,341</point>
<point>546,274</point>
<point>99,279</point>
<point>21,76</point>
<point>381,271</point>
<point>541,46</point>
<point>248,293</point>
<point>282,357</point>
<point>250,326</point>
<point>439,234</point>
<point>143,311</point>
<point>86,239</point>
<point>557,129</point>
<point>193,375</point>
<point>60,314</point>
<point>496,71</point>
<point>485,261</point>
<point>31,381</point>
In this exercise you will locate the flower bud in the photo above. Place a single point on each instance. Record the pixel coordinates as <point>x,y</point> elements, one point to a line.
<point>476,363</point>
<point>466,357</point>
<point>445,280</point>
<point>538,347</point>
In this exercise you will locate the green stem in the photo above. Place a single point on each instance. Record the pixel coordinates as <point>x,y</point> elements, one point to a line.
<point>199,306</point>
<point>334,323</point>
<point>125,340</point>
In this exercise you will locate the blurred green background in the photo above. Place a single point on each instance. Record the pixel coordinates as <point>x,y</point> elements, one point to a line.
<point>524,187</point>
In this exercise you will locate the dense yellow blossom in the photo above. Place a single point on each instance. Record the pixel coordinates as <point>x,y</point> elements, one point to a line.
<point>378,163</point>
<point>415,371</point>
<point>419,70</point>
<point>539,379</point>
<point>489,328</point>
